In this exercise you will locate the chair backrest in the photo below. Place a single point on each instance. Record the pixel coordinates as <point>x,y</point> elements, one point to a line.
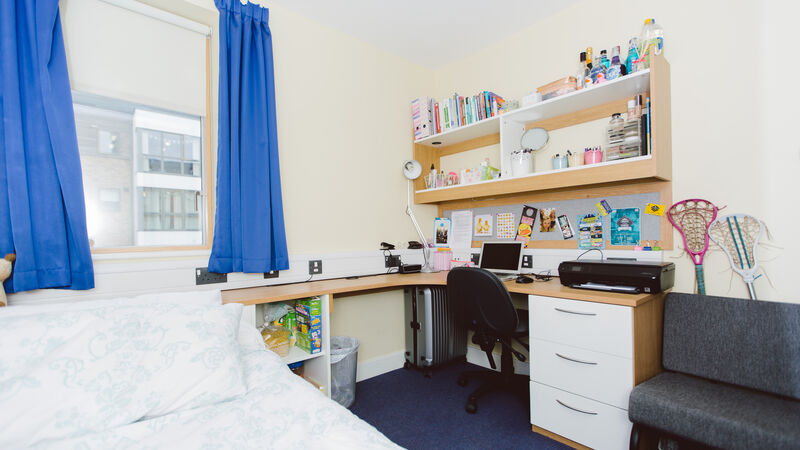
<point>483,299</point>
<point>749,343</point>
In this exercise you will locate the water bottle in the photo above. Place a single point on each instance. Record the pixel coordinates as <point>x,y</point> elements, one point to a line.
<point>652,41</point>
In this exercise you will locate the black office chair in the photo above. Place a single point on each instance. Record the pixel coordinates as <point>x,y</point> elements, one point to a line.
<point>486,307</point>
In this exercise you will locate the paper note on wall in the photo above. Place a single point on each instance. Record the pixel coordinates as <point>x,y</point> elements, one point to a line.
<point>462,229</point>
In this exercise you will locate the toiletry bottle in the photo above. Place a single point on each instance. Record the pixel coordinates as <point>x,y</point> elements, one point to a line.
<point>633,55</point>
<point>589,58</point>
<point>598,70</point>
<point>632,109</point>
<point>615,69</point>
<point>604,59</point>
<point>432,177</point>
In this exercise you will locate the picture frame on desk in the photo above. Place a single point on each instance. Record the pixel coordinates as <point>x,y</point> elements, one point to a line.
<point>441,232</point>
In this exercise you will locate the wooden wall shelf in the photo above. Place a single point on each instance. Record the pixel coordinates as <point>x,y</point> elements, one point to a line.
<point>571,109</point>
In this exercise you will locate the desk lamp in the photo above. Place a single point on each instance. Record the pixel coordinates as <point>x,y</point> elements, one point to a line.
<point>412,169</point>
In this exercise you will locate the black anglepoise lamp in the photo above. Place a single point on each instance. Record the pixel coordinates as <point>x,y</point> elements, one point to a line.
<point>412,169</point>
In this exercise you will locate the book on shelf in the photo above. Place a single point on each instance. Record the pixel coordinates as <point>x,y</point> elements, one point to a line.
<point>433,117</point>
<point>422,117</point>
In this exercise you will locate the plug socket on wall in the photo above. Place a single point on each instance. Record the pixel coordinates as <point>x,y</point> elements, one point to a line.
<point>203,276</point>
<point>271,274</point>
<point>527,261</point>
<point>392,260</point>
<point>314,266</point>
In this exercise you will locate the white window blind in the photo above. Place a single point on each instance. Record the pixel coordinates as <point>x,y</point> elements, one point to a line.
<point>115,49</point>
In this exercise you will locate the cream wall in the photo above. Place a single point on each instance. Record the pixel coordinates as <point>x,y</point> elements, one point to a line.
<point>780,147</point>
<point>722,83</point>
<point>344,130</point>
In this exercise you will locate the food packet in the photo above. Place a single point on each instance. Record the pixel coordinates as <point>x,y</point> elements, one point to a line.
<point>276,339</point>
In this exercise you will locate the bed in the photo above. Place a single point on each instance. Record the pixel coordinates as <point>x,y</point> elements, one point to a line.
<point>158,371</point>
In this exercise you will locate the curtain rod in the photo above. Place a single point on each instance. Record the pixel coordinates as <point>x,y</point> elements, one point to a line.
<point>164,16</point>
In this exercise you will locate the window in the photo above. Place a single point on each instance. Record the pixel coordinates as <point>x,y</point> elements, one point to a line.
<point>139,78</point>
<point>154,158</point>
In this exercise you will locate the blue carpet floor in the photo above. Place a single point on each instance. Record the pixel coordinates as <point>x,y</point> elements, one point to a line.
<point>428,413</point>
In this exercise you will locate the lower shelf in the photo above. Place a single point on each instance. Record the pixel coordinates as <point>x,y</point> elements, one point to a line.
<point>297,354</point>
<point>639,168</point>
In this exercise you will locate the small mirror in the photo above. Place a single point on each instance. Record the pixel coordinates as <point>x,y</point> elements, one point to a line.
<point>534,139</point>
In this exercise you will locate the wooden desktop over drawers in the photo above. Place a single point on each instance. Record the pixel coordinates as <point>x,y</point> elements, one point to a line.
<point>588,348</point>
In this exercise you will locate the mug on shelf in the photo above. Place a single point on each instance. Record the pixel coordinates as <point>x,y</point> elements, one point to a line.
<point>575,159</point>
<point>593,156</point>
<point>560,162</point>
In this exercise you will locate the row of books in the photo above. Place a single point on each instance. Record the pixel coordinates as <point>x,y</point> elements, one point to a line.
<point>433,117</point>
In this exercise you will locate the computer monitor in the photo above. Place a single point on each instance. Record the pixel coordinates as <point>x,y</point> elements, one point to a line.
<point>501,257</point>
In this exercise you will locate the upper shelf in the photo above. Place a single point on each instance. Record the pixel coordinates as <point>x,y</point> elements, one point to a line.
<point>627,86</point>
<point>483,127</point>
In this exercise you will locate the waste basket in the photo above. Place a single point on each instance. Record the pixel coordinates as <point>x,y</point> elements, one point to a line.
<point>344,358</point>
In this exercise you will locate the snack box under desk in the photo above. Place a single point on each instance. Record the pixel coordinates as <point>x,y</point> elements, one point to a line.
<point>308,313</point>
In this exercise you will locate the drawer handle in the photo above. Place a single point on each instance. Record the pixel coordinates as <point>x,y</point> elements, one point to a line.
<point>591,413</point>
<point>576,360</point>
<point>576,312</point>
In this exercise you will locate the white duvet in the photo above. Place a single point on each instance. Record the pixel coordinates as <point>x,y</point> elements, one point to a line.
<point>222,390</point>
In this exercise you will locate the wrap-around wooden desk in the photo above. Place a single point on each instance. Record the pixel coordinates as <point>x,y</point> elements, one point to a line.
<point>617,337</point>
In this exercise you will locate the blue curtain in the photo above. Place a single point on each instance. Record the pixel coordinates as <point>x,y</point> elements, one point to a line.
<point>42,212</point>
<point>249,234</point>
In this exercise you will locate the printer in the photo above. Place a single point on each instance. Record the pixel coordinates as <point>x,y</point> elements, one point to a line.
<point>627,276</point>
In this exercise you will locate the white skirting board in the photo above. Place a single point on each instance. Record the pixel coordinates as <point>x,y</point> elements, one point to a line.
<point>380,365</point>
<point>383,364</point>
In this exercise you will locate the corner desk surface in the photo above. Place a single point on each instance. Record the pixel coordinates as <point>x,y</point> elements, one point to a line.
<point>552,288</point>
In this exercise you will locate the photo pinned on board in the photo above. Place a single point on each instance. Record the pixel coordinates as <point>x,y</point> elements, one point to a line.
<point>547,220</point>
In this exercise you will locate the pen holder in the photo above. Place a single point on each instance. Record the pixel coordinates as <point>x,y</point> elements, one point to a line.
<point>560,162</point>
<point>575,160</point>
<point>593,156</point>
<point>441,260</point>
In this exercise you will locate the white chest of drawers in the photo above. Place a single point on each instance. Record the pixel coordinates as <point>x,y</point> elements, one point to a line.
<point>586,356</point>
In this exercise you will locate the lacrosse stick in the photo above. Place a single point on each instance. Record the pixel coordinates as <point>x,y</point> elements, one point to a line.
<point>692,218</point>
<point>738,235</point>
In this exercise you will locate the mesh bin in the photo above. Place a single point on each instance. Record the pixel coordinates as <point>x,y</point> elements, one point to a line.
<point>344,359</point>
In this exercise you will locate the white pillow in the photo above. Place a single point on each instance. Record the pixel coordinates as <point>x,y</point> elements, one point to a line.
<point>66,373</point>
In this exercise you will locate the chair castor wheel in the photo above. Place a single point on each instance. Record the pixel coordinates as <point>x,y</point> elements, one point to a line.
<point>462,381</point>
<point>472,406</point>
<point>406,365</point>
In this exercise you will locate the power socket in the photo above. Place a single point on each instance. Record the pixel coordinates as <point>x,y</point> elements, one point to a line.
<point>314,266</point>
<point>271,274</point>
<point>391,260</point>
<point>203,276</point>
<point>527,261</point>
